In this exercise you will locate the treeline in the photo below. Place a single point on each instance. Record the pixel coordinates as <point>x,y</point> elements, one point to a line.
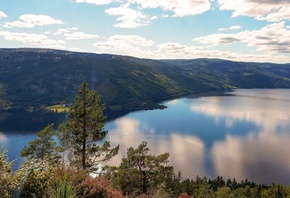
<point>73,167</point>
<point>44,179</point>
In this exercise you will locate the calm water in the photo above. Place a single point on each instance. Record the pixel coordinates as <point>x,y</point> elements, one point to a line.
<point>242,135</point>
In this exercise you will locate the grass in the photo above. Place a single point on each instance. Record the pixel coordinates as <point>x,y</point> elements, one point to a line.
<point>58,108</point>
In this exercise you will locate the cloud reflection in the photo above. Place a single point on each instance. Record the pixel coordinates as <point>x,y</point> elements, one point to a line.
<point>263,107</point>
<point>260,157</point>
<point>186,152</point>
<point>172,102</point>
<point>253,144</point>
<point>127,133</point>
<point>3,138</point>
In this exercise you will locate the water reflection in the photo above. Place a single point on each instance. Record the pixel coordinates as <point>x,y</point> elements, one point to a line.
<point>186,152</point>
<point>14,143</point>
<point>245,135</point>
<point>3,138</point>
<point>266,108</point>
<point>261,157</point>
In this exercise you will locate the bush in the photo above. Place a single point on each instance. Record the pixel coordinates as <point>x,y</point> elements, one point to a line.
<point>62,189</point>
<point>9,181</point>
<point>36,176</point>
<point>99,187</point>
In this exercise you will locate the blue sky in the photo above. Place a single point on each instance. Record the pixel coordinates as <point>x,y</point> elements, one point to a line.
<point>240,30</point>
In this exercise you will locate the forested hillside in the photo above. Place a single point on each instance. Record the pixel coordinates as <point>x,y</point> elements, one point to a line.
<point>37,78</point>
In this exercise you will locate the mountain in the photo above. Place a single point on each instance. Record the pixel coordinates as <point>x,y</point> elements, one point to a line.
<point>37,78</point>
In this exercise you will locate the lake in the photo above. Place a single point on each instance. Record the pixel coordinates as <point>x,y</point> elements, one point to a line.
<point>241,134</point>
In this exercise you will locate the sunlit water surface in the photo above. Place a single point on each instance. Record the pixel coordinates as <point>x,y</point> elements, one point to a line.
<point>244,134</point>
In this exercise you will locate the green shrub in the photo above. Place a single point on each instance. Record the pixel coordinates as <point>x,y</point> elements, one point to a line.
<point>9,181</point>
<point>37,175</point>
<point>65,183</point>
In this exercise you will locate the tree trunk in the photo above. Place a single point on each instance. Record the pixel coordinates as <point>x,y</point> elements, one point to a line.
<point>84,139</point>
<point>144,183</point>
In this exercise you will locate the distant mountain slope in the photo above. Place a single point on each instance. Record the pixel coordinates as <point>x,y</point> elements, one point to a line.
<point>35,78</point>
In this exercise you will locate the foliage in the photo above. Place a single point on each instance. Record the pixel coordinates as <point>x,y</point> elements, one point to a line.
<point>183,195</point>
<point>84,128</point>
<point>9,181</point>
<point>65,182</point>
<point>44,147</point>
<point>36,176</point>
<point>140,172</point>
<point>63,189</point>
<point>44,179</point>
<point>99,187</point>
<point>219,188</point>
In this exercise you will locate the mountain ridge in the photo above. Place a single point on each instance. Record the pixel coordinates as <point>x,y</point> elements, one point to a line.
<point>32,78</point>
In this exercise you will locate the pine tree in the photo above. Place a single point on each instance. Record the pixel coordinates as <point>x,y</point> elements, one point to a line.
<point>141,172</point>
<point>43,147</point>
<point>83,131</point>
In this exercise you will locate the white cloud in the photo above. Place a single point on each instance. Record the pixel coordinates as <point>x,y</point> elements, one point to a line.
<point>217,39</point>
<point>96,2</point>
<point>175,48</point>
<point>20,24</point>
<point>130,40</point>
<point>273,38</point>
<point>61,31</point>
<point>79,36</point>
<point>73,34</point>
<point>31,20</point>
<point>222,29</point>
<point>270,10</point>
<point>178,7</point>
<point>132,18</point>
<point>165,15</point>
<point>129,18</point>
<point>39,20</point>
<point>234,27</point>
<point>39,40</point>
<point>178,51</point>
<point>2,15</point>
<point>131,45</point>
<point>124,41</point>
<point>74,29</point>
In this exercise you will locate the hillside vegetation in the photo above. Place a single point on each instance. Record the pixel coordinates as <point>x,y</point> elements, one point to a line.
<point>33,79</point>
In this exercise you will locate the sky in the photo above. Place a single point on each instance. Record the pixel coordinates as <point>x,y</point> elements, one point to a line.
<point>239,30</point>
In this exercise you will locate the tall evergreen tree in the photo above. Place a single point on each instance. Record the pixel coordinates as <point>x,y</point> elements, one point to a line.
<point>43,147</point>
<point>83,131</point>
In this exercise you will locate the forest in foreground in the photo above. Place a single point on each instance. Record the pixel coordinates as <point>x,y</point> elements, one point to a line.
<point>71,166</point>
